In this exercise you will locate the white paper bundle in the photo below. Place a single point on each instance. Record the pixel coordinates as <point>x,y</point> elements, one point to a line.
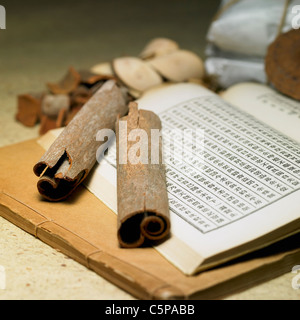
<point>238,39</point>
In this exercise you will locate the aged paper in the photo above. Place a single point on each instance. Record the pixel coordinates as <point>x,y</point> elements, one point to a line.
<point>226,198</point>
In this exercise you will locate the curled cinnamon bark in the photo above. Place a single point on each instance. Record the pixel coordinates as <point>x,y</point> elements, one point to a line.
<point>29,109</point>
<point>143,209</point>
<point>66,85</point>
<point>73,154</point>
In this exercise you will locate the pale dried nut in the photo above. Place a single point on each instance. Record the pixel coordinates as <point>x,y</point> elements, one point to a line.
<point>178,66</point>
<point>52,104</point>
<point>134,93</point>
<point>104,69</point>
<point>135,73</point>
<point>65,86</point>
<point>158,47</point>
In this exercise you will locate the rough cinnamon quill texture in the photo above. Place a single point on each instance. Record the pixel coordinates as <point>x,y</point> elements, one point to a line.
<point>143,209</point>
<point>282,63</point>
<point>73,154</point>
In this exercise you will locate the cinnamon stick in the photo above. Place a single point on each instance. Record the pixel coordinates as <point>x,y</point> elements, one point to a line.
<point>73,154</point>
<point>143,210</point>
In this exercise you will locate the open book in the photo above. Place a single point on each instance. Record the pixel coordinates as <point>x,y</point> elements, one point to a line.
<point>241,191</point>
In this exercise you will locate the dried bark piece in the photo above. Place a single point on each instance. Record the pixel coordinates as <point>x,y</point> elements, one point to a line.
<point>143,209</point>
<point>73,154</point>
<point>69,83</point>
<point>96,87</point>
<point>104,69</point>
<point>178,66</point>
<point>47,123</point>
<point>135,73</point>
<point>90,78</point>
<point>282,63</point>
<point>29,109</point>
<point>158,47</point>
<point>81,95</point>
<point>61,118</point>
<point>52,104</point>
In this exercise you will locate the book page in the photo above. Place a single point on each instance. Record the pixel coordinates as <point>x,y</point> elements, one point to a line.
<point>267,105</point>
<point>246,169</point>
<point>240,183</point>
